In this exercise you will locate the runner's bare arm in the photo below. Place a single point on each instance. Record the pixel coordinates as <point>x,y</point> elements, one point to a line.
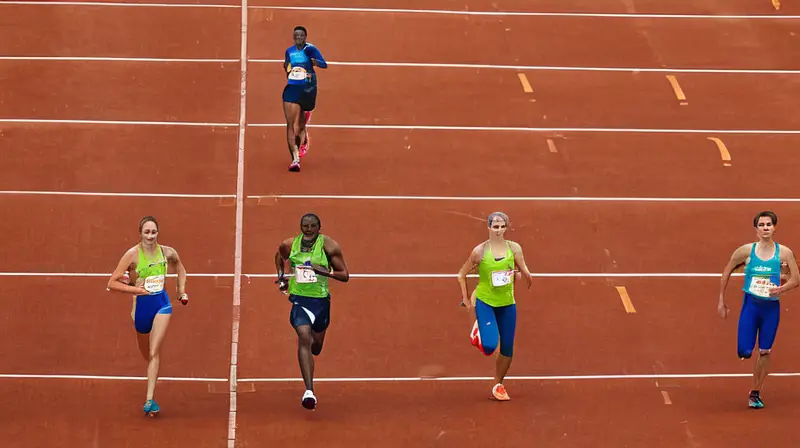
<point>471,263</point>
<point>339,269</point>
<point>115,285</point>
<point>519,260</point>
<point>281,256</point>
<point>175,260</point>
<point>738,258</point>
<point>787,256</point>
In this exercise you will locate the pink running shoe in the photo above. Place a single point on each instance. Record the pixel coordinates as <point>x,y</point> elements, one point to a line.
<point>295,166</point>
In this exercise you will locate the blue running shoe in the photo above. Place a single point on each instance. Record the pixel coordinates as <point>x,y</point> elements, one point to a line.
<point>151,408</point>
<point>755,401</point>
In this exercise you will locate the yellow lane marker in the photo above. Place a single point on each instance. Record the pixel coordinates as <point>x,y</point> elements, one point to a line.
<point>551,146</point>
<point>676,87</point>
<point>723,151</point>
<point>664,394</point>
<point>626,299</point>
<point>526,86</point>
<point>776,4</point>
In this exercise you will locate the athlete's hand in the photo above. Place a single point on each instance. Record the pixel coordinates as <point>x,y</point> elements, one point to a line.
<point>183,298</point>
<point>776,291</point>
<point>283,284</point>
<point>722,310</point>
<point>466,302</point>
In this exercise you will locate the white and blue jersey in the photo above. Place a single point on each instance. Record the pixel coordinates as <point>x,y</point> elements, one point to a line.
<point>298,61</point>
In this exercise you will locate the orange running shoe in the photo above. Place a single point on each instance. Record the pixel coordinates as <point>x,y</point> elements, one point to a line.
<point>499,393</point>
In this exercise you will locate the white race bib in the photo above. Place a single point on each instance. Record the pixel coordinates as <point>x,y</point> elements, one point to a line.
<point>154,284</point>
<point>304,275</point>
<point>298,74</point>
<point>760,286</point>
<point>501,278</point>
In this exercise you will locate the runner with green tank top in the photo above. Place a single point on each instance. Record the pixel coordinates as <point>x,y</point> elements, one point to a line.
<point>313,259</point>
<point>498,262</point>
<point>148,262</point>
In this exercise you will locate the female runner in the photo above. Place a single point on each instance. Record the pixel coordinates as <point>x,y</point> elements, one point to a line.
<point>497,261</point>
<point>147,264</point>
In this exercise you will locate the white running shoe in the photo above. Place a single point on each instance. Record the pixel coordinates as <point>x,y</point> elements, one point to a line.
<point>309,400</point>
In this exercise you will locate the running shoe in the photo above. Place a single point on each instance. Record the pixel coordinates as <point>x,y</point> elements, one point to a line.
<point>475,337</point>
<point>499,393</point>
<point>309,400</point>
<point>295,166</point>
<point>151,409</point>
<point>755,401</point>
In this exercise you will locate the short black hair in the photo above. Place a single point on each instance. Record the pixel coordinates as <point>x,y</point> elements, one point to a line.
<point>311,215</point>
<point>771,215</point>
<point>301,28</point>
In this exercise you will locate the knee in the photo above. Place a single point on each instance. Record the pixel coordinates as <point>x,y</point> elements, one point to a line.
<point>304,339</point>
<point>316,348</point>
<point>764,353</point>
<point>488,349</point>
<point>297,128</point>
<point>745,354</point>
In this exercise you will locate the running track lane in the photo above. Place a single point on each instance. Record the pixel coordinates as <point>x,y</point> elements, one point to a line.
<point>85,156</point>
<point>427,96</point>
<point>568,326</point>
<point>120,91</point>
<point>570,41</point>
<point>587,6</point>
<point>583,164</point>
<point>406,236</point>
<point>564,413</point>
<point>90,234</point>
<point>109,413</point>
<point>102,31</point>
<point>73,326</point>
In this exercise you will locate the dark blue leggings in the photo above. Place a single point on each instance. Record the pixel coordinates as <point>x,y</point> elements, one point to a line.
<point>759,318</point>
<point>496,325</point>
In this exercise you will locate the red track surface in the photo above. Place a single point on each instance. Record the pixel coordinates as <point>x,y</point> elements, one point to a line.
<point>395,328</point>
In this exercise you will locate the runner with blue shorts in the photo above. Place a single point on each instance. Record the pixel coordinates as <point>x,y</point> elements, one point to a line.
<point>148,263</point>
<point>300,93</point>
<point>313,259</point>
<point>499,263</point>
<point>765,266</point>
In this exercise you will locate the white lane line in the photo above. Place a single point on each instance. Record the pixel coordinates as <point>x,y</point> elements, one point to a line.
<point>237,263</point>
<point>406,379</point>
<point>407,276</point>
<point>108,194</point>
<point>551,67</point>
<point>116,122</point>
<point>529,13</point>
<point>516,198</point>
<point>533,129</point>
<point>106,377</point>
<point>125,4</point>
<point>108,59</point>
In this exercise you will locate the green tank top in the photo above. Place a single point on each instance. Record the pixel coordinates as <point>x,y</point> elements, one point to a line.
<point>496,278</point>
<point>303,282</point>
<point>153,270</point>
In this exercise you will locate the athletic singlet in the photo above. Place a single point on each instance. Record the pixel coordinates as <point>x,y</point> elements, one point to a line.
<point>152,270</point>
<point>762,275</point>
<point>303,282</point>
<point>496,278</point>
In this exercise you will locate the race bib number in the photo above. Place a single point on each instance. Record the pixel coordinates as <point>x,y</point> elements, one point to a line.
<point>304,275</point>
<point>154,284</point>
<point>298,74</point>
<point>760,286</point>
<point>501,278</point>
